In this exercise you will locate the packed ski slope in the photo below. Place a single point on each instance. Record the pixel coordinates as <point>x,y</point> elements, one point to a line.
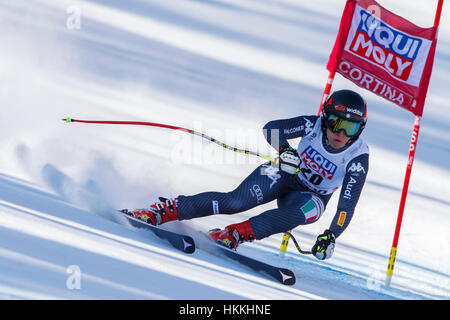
<point>224,67</point>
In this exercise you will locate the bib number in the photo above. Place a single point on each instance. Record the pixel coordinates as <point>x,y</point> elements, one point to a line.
<point>313,178</point>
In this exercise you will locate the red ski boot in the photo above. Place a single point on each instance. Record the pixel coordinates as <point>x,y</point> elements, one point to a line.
<point>233,235</point>
<point>158,213</point>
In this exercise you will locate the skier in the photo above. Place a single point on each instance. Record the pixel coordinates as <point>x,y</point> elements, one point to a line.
<point>330,155</point>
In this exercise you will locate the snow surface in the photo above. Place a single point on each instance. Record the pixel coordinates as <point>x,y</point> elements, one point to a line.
<point>224,67</point>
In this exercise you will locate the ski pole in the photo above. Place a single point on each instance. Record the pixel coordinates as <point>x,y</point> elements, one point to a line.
<point>154,124</point>
<point>284,244</point>
<point>288,234</point>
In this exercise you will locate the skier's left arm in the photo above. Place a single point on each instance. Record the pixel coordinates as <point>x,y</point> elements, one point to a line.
<point>352,186</point>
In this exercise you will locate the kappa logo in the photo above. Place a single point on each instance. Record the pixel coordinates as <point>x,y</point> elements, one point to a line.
<point>309,126</point>
<point>271,172</point>
<point>385,46</point>
<point>356,167</point>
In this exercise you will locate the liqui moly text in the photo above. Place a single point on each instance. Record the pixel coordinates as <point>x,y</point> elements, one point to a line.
<point>318,163</point>
<point>384,46</point>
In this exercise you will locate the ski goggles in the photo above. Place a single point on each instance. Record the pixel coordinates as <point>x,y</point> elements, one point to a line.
<point>336,124</point>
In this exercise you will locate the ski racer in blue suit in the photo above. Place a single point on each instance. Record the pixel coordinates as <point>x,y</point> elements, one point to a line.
<point>330,155</point>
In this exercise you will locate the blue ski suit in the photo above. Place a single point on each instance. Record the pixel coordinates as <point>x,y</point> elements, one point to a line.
<point>301,199</point>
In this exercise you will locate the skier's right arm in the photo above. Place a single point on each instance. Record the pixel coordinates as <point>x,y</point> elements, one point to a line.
<point>277,132</point>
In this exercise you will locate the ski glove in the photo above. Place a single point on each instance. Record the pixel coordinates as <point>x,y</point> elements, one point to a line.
<point>289,161</point>
<point>324,246</point>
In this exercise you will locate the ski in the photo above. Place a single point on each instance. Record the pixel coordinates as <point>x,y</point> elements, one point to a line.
<point>178,241</point>
<point>282,275</point>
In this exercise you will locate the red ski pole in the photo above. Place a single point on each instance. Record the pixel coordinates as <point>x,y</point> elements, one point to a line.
<point>154,124</point>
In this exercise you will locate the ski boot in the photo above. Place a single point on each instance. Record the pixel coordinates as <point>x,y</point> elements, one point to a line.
<point>233,235</point>
<point>160,212</point>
